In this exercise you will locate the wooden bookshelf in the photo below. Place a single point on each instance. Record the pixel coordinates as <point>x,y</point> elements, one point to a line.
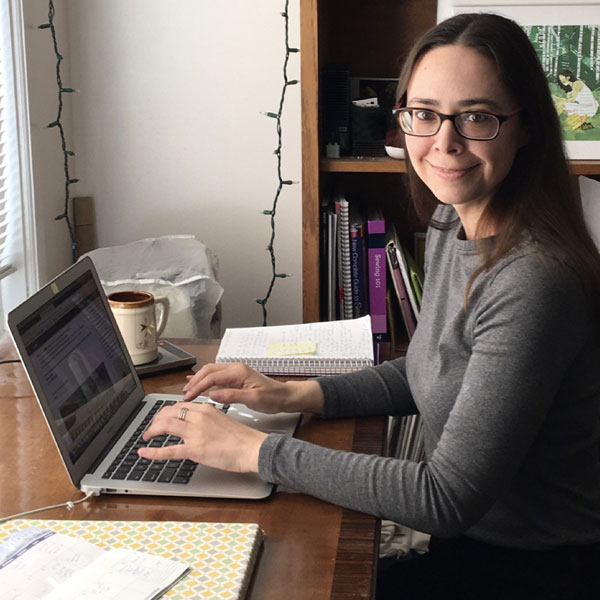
<point>373,38</point>
<point>585,167</point>
<point>354,164</point>
<point>362,165</point>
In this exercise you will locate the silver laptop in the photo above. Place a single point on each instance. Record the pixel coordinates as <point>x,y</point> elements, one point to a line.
<point>95,405</point>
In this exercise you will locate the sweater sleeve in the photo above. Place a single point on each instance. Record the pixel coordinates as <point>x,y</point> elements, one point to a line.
<point>389,392</point>
<point>524,340</point>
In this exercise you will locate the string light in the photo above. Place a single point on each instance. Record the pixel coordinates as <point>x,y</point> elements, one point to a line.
<point>58,123</point>
<point>281,182</point>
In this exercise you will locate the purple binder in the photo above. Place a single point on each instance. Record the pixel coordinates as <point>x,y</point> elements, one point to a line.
<point>377,273</point>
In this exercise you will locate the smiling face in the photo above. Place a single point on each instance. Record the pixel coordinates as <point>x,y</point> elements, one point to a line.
<point>465,173</point>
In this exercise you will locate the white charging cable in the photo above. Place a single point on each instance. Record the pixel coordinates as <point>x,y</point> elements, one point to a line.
<point>70,505</point>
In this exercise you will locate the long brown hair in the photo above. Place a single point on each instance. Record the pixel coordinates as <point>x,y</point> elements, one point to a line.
<point>538,196</point>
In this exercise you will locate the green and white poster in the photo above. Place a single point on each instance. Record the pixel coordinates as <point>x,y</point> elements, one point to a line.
<point>566,37</point>
<point>570,56</point>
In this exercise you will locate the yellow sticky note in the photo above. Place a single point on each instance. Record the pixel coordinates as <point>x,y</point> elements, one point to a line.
<point>291,348</point>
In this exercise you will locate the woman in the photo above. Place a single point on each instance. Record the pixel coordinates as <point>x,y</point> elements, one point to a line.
<point>503,366</point>
<point>578,103</point>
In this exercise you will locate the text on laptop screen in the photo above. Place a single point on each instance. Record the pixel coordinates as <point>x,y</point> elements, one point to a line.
<point>78,361</point>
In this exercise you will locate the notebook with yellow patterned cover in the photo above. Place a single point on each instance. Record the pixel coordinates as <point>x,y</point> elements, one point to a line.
<point>221,556</point>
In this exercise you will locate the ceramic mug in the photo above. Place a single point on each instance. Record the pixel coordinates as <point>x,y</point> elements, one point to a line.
<point>135,313</point>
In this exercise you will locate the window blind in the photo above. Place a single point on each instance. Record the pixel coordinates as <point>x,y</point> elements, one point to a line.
<point>18,248</point>
<point>7,136</point>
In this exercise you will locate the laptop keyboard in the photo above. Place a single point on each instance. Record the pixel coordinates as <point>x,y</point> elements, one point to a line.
<point>129,465</point>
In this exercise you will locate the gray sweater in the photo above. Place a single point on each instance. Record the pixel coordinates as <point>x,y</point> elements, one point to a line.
<point>509,392</point>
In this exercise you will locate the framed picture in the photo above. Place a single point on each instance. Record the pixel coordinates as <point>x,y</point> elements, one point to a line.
<point>567,41</point>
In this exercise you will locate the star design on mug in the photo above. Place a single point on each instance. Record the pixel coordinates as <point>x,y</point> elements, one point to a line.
<point>147,328</point>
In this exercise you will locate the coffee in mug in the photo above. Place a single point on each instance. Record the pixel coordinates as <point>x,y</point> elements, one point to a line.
<point>135,313</point>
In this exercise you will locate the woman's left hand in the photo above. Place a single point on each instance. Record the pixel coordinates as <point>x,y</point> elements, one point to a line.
<point>209,437</point>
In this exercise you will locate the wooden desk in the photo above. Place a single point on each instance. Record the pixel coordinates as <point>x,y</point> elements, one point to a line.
<point>313,550</point>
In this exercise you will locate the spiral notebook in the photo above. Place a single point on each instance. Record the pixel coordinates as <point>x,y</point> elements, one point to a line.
<point>308,349</point>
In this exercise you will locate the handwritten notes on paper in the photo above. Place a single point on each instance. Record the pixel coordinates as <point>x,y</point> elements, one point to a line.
<point>38,563</point>
<point>303,349</point>
<point>350,338</point>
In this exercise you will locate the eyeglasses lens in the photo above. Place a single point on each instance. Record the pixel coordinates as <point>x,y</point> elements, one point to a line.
<point>474,125</point>
<point>478,126</point>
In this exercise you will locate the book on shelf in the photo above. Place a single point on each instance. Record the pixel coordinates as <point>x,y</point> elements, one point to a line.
<point>363,280</point>
<point>409,440</point>
<point>398,339</point>
<point>129,559</point>
<point>358,266</point>
<point>353,262</point>
<point>416,277</point>
<point>308,349</point>
<point>408,316</point>
<point>344,261</point>
<point>377,273</point>
<point>406,433</point>
<point>329,253</point>
<point>411,275</point>
<point>324,264</point>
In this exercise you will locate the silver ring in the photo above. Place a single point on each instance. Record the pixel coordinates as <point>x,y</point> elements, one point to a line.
<point>182,413</point>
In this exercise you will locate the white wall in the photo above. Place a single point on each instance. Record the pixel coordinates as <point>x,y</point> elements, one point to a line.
<point>169,137</point>
<point>53,243</point>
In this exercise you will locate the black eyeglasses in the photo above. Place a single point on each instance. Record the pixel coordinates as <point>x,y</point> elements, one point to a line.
<point>473,125</point>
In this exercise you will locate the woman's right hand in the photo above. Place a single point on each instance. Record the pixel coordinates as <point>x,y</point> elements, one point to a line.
<point>235,383</point>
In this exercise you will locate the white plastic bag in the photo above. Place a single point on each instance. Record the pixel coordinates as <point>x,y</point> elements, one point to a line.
<point>176,266</point>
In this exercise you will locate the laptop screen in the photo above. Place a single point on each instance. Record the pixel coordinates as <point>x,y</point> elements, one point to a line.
<point>78,361</point>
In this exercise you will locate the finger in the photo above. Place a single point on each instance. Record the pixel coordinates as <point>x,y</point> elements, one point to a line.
<point>201,381</point>
<point>164,453</point>
<point>232,375</point>
<point>234,396</point>
<point>169,418</point>
<point>165,423</point>
<point>208,368</point>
